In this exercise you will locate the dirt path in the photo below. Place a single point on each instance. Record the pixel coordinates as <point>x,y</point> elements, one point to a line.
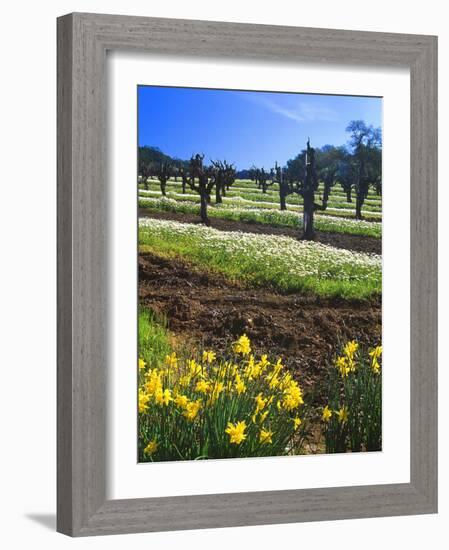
<point>357,243</point>
<point>208,308</point>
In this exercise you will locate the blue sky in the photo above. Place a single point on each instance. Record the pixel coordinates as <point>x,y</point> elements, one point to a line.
<point>246,128</point>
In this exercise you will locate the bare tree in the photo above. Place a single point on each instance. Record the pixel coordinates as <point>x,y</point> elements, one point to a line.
<point>263,177</point>
<point>145,172</point>
<point>253,175</point>
<point>202,182</point>
<point>347,184</point>
<point>366,144</point>
<point>301,178</point>
<point>230,175</point>
<point>224,175</point>
<point>346,175</point>
<point>219,175</point>
<point>163,173</point>
<point>184,178</point>
<point>328,160</point>
<point>281,177</point>
<point>307,191</point>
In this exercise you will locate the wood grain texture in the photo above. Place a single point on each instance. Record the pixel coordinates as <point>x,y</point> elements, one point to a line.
<point>64,276</point>
<point>83,40</point>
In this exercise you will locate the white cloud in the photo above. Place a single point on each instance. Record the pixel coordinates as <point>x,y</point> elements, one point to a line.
<point>301,111</point>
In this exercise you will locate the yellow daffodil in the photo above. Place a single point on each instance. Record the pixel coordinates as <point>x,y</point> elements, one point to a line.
<point>142,363</point>
<point>252,370</point>
<point>209,356</point>
<point>171,360</point>
<point>153,381</point>
<point>342,415</point>
<point>242,345</point>
<point>181,401</point>
<point>192,410</point>
<point>218,388</point>
<point>278,366</point>
<point>286,380</point>
<point>266,436</point>
<point>297,422</point>
<point>261,419</point>
<point>166,398</point>
<point>292,396</point>
<point>343,366</point>
<point>351,365</point>
<point>185,380</point>
<point>260,402</point>
<point>232,369</point>
<point>202,386</point>
<point>151,448</point>
<point>194,367</point>
<point>376,352</point>
<point>236,432</point>
<point>163,397</point>
<point>327,414</point>
<point>273,382</point>
<point>350,348</point>
<point>239,385</point>
<point>143,401</point>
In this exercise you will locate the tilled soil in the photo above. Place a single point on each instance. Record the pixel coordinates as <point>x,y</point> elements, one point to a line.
<point>357,243</point>
<point>208,309</point>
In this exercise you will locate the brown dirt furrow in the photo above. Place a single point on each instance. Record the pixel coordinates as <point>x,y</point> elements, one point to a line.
<point>212,311</point>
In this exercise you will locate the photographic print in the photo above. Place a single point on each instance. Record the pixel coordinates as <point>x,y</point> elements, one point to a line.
<point>259,274</point>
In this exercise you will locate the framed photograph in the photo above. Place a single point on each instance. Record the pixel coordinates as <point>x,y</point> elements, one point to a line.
<point>247,274</point>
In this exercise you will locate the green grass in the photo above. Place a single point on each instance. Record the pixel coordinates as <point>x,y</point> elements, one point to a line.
<point>293,220</point>
<point>246,186</point>
<point>271,217</point>
<point>154,341</point>
<point>267,260</point>
<point>240,202</point>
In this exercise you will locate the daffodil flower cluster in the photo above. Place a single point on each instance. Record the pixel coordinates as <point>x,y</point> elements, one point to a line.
<point>210,406</point>
<point>346,363</point>
<point>352,419</point>
<point>375,355</point>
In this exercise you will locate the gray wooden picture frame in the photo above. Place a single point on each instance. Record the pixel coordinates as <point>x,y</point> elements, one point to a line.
<point>83,40</point>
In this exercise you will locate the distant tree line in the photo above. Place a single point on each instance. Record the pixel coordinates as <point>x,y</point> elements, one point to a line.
<point>194,174</point>
<point>153,163</point>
